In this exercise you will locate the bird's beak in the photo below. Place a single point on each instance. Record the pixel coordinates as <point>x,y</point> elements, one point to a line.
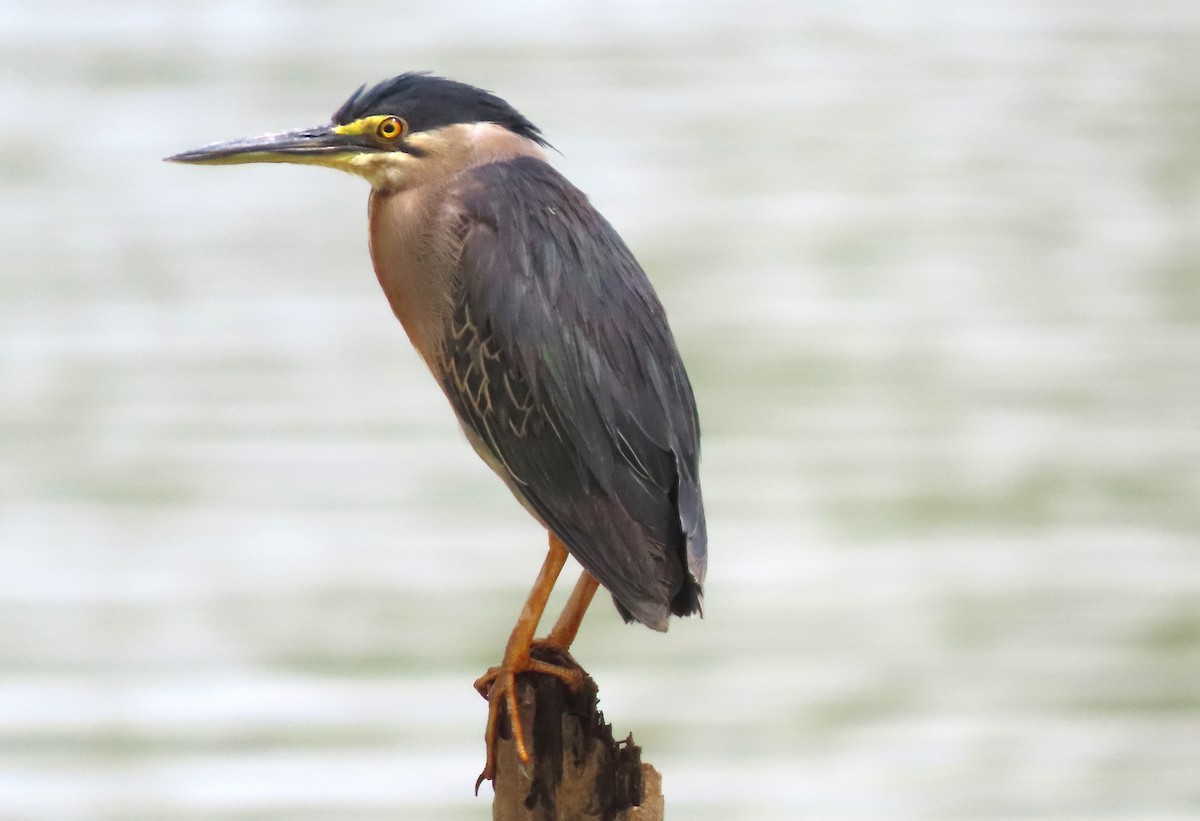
<point>316,146</point>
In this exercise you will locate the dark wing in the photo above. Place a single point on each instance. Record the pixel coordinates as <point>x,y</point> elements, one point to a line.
<point>561,365</point>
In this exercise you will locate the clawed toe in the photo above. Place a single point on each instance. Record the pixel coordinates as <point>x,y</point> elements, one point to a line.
<point>499,686</point>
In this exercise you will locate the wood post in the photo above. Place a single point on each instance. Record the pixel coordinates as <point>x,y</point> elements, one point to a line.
<point>577,771</point>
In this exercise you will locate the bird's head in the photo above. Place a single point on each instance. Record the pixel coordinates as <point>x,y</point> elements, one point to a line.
<point>392,133</point>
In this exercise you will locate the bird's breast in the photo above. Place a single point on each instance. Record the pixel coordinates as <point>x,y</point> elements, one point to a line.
<point>415,277</point>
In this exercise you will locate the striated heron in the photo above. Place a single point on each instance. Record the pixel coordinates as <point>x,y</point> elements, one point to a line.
<point>545,335</point>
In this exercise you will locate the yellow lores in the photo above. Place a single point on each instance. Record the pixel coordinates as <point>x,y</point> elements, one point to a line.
<point>385,127</point>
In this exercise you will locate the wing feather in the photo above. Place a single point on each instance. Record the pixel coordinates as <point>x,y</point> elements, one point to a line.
<point>563,371</point>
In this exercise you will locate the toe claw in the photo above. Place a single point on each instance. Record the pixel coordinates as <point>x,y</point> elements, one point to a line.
<point>483,684</point>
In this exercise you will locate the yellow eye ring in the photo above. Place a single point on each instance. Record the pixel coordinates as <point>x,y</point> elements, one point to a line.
<point>390,128</point>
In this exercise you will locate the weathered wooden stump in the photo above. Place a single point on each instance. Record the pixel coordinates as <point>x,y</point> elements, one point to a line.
<point>577,771</point>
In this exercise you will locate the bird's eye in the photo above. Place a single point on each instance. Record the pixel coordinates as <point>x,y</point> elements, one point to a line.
<point>390,128</point>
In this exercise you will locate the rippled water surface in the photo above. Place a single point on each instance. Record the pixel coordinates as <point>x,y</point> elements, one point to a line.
<point>935,269</point>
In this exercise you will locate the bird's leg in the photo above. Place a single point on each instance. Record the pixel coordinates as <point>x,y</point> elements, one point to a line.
<point>498,684</point>
<point>562,634</point>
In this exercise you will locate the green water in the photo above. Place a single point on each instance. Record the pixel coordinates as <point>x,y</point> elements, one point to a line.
<point>935,269</point>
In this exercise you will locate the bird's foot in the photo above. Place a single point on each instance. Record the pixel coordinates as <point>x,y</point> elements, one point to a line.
<point>499,686</point>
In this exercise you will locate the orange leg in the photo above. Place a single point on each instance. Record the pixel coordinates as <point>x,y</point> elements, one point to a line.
<point>499,683</point>
<point>563,633</point>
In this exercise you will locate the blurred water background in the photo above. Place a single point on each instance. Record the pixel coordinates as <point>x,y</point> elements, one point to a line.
<point>934,266</point>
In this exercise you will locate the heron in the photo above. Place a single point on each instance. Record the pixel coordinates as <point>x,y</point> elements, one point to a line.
<point>546,337</point>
